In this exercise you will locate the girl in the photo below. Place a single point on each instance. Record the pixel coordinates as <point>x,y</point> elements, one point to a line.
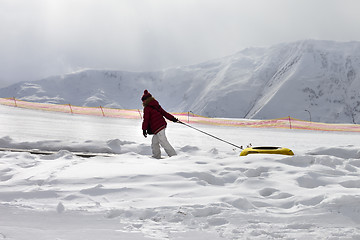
<point>154,123</point>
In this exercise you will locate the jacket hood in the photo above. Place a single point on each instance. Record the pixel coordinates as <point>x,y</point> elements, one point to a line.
<point>151,101</point>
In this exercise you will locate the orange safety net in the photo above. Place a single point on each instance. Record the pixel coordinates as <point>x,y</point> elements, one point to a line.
<point>287,122</point>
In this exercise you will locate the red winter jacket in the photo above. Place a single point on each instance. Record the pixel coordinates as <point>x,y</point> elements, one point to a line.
<point>153,116</point>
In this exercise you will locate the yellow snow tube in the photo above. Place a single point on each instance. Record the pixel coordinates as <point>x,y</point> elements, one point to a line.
<point>266,150</point>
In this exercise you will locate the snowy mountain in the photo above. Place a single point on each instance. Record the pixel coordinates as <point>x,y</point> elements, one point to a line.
<point>305,79</point>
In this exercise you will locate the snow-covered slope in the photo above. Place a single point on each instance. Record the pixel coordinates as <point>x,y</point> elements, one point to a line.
<point>207,191</point>
<point>320,78</point>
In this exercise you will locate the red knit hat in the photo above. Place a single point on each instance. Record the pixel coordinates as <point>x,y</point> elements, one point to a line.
<point>146,95</point>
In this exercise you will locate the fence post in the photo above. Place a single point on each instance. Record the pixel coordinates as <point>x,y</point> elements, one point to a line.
<point>102,111</point>
<point>15,102</point>
<point>70,108</point>
<point>290,122</point>
<point>189,115</point>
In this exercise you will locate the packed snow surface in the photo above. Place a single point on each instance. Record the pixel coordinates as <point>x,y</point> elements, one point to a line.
<point>207,191</point>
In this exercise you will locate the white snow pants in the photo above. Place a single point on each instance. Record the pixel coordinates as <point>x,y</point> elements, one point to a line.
<point>160,139</point>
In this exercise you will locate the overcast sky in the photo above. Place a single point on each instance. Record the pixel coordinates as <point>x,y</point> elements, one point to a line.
<point>40,38</point>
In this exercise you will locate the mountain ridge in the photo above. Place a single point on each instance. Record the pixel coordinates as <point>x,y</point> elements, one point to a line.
<point>298,79</point>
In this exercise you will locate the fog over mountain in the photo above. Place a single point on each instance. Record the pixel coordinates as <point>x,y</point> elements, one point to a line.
<point>310,78</point>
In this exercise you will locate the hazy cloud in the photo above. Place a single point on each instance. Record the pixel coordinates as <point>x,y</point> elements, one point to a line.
<point>46,37</point>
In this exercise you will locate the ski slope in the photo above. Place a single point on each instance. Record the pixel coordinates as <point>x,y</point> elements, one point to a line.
<point>205,192</point>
